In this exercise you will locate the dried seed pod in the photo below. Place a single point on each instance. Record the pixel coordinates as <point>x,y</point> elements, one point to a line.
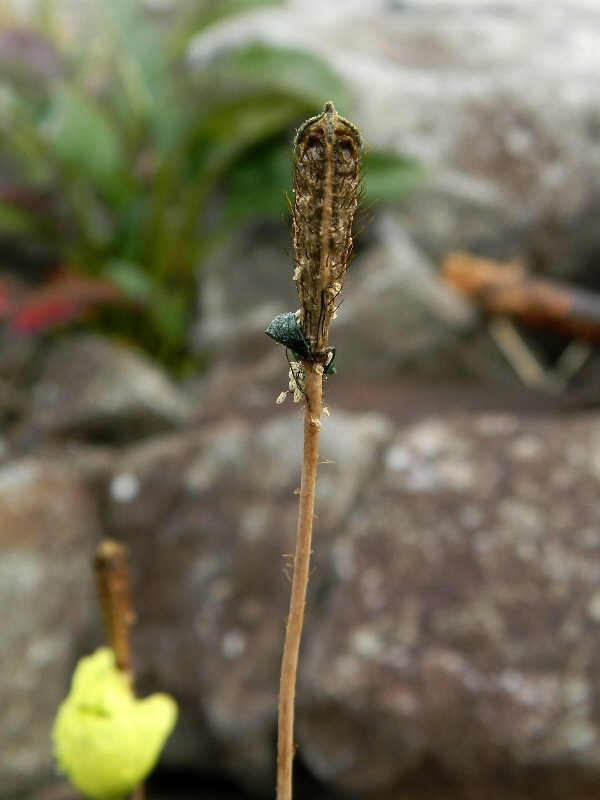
<point>327,191</point>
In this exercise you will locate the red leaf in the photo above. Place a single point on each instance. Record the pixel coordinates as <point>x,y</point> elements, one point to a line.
<point>68,297</point>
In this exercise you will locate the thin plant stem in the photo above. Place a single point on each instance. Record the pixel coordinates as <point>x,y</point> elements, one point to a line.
<point>114,593</point>
<point>313,388</point>
<point>111,565</point>
<point>327,191</point>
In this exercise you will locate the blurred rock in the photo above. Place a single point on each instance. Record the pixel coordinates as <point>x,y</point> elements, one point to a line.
<point>453,611</point>
<point>398,315</point>
<point>48,531</point>
<point>94,388</point>
<point>209,516</point>
<point>460,619</point>
<point>17,359</point>
<point>499,102</point>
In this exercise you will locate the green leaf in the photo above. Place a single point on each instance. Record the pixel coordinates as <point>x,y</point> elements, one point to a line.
<point>26,148</point>
<point>201,15</point>
<point>260,69</point>
<point>83,138</point>
<point>105,740</point>
<point>389,176</point>
<point>255,184</point>
<point>236,127</point>
<point>15,220</point>
<point>129,277</point>
<point>230,133</point>
<point>253,95</point>
<point>169,313</point>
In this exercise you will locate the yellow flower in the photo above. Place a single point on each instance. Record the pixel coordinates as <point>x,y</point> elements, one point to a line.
<point>106,740</point>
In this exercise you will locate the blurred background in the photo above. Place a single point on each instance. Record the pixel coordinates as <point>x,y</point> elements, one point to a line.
<point>145,169</point>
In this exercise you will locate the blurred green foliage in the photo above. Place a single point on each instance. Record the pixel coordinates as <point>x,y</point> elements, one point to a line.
<point>130,165</point>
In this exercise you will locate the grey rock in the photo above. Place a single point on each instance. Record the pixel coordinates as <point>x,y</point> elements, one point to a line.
<point>209,516</point>
<point>48,531</point>
<point>17,359</point>
<point>452,609</point>
<point>452,613</point>
<point>231,325</point>
<point>398,315</point>
<point>96,388</point>
<point>460,619</point>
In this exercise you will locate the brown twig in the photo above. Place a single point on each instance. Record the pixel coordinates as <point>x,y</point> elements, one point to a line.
<point>114,593</point>
<point>111,565</point>
<point>327,186</point>
<point>508,289</point>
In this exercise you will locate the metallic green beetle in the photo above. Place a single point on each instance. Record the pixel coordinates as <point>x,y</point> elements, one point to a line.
<point>285,330</point>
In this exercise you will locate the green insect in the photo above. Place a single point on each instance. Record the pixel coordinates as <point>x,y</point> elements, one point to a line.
<point>285,330</point>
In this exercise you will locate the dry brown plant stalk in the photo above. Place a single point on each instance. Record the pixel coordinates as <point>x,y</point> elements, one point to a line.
<point>111,565</point>
<point>327,192</point>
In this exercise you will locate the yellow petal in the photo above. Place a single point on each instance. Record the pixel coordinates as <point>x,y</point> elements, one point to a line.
<point>105,740</point>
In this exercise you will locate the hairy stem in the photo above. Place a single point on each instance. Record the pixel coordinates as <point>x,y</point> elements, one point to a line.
<point>293,632</point>
<point>326,190</point>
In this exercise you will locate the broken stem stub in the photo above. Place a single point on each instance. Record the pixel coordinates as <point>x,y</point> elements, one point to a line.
<point>111,565</point>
